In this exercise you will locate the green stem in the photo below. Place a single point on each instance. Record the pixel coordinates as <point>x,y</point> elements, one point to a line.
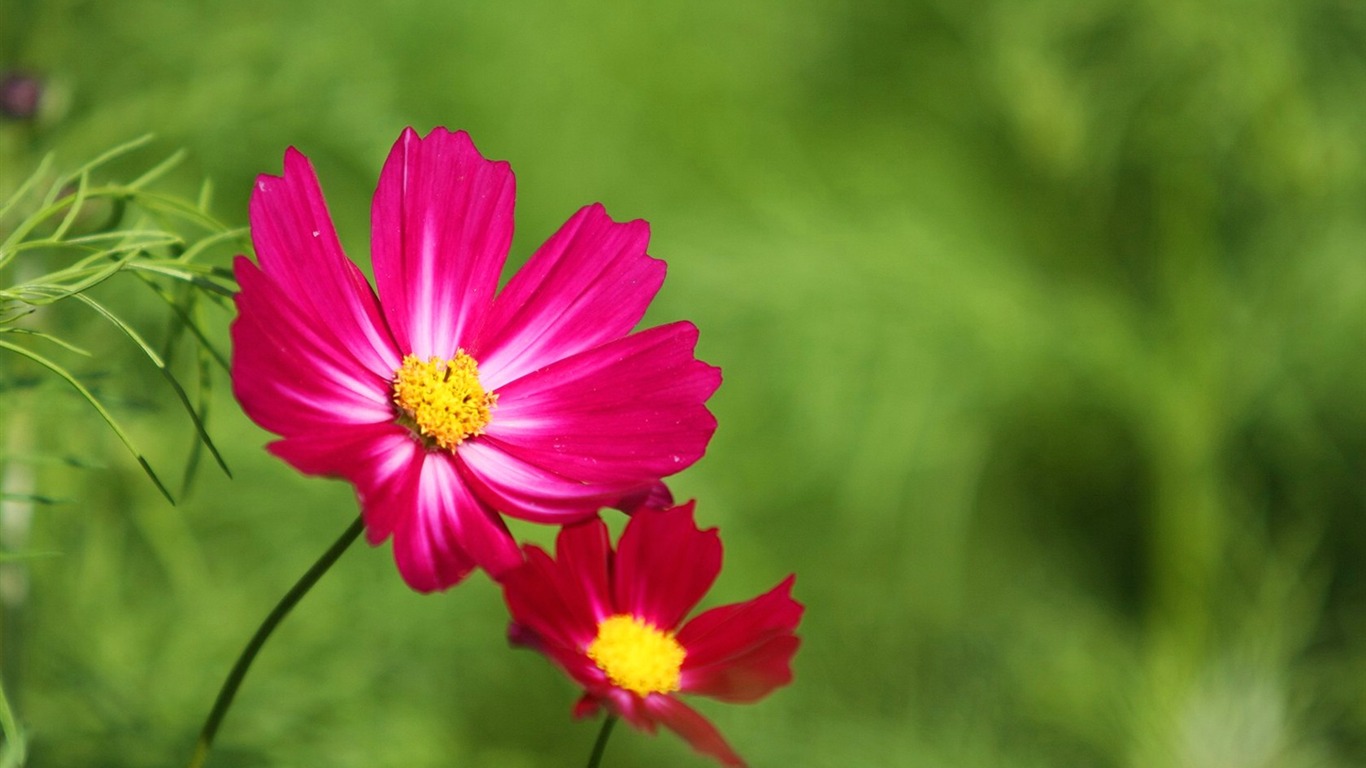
<point>601,745</point>
<point>239,670</point>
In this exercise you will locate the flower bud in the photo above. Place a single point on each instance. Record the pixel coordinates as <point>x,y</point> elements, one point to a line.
<point>21,94</point>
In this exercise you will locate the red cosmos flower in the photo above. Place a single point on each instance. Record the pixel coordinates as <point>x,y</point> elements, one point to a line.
<point>443,403</point>
<point>611,621</point>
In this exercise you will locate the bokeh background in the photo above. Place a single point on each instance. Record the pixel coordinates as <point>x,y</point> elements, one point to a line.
<point>1042,327</point>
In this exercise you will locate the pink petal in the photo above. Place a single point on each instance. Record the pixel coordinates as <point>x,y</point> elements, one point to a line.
<point>627,412</point>
<point>654,496</point>
<point>451,519</point>
<point>664,565</point>
<point>426,558</point>
<point>589,284</point>
<point>517,488</point>
<point>686,722</point>
<point>291,376</point>
<point>298,250</point>
<point>440,530</point>
<point>381,460</point>
<point>441,225</point>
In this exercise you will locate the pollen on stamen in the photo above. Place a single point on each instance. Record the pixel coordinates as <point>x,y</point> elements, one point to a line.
<point>637,656</point>
<point>442,401</point>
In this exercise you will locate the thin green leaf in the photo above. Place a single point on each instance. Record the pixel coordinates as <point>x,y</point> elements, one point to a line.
<point>205,195</point>
<point>122,236</point>
<point>186,321</point>
<point>108,155</point>
<point>180,209</point>
<point>54,191</point>
<point>48,460</point>
<point>10,557</point>
<point>179,274</point>
<point>129,243</point>
<point>74,207</point>
<point>49,209</point>
<point>44,294</point>
<point>99,407</point>
<point>59,187</point>
<point>47,337</point>
<point>11,314</point>
<point>44,166</point>
<point>33,498</point>
<point>80,462</point>
<point>68,205</point>
<point>208,242</point>
<point>180,305</point>
<point>204,393</point>
<point>16,744</point>
<point>165,374</point>
<point>158,170</point>
<point>58,201</point>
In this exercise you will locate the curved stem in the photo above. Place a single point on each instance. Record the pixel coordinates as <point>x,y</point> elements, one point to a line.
<point>239,670</point>
<point>601,745</point>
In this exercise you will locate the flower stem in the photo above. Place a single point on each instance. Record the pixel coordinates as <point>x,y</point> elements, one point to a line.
<point>601,745</point>
<point>239,670</point>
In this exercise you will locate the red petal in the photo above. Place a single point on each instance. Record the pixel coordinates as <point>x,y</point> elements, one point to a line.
<point>550,616</point>
<point>629,706</point>
<point>586,706</point>
<point>589,284</point>
<point>664,565</point>
<point>727,631</point>
<point>686,722</point>
<point>562,601</point>
<point>584,555</point>
<point>541,600</point>
<point>547,623</point>
<point>747,676</point>
<point>441,224</point>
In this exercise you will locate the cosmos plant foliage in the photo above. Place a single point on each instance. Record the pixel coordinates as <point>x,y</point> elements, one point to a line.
<point>64,234</point>
<point>67,233</point>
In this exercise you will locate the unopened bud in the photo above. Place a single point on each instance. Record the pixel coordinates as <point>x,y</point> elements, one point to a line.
<point>20,95</point>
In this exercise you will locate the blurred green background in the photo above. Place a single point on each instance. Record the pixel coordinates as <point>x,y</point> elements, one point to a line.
<point>1042,326</point>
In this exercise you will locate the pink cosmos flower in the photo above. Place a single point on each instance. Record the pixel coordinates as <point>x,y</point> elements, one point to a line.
<point>611,621</point>
<point>443,400</point>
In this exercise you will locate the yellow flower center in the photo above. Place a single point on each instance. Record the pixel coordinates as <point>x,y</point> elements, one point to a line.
<point>442,402</point>
<point>637,656</point>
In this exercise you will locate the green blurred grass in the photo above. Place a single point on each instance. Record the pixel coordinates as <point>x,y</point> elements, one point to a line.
<point>1042,327</point>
